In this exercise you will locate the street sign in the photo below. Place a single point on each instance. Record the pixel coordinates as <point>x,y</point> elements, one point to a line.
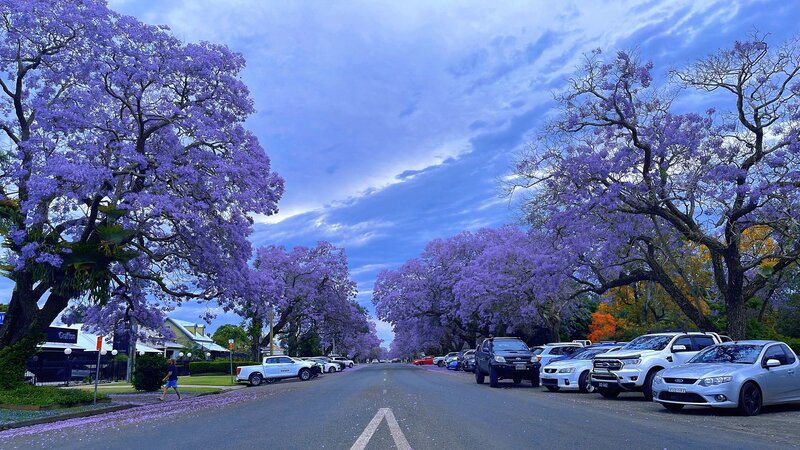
<point>99,343</point>
<point>230,344</point>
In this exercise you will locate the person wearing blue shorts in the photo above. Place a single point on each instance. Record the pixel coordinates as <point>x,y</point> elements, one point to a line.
<point>171,379</point>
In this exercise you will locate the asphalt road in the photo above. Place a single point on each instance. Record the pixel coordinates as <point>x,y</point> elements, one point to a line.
<point>373,407</point>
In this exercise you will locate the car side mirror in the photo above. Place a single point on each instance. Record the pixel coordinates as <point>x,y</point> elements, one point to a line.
<point>773,363</point>
<point>679,348</point>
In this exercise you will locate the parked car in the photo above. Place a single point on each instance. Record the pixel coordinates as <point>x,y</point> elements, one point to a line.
<point>446,359</point>
<point>276,368</point>
<point>423,361</point>
<point>341,359</point>
<point>328,366</point>
<point>467,360</point>
<point>574,371</point>
<point>454,365</point>
<point>633,367</point>
<point>505,358</point>
<point>744,375</point>
<point>557,350</point>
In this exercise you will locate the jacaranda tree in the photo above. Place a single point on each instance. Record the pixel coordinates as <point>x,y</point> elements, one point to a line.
<point>634,184</point>
<point>490,282</point>
<point>309,291</point>
<point>127,174</point>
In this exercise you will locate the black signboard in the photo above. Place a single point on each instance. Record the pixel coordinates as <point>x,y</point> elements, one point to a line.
<point>63,335</point>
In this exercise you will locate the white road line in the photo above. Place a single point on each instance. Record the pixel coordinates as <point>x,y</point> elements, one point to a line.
<point>400,440</point>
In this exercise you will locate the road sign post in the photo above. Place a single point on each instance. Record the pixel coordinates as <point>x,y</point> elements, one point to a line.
<point>97,368</point>
<point>230,352</point>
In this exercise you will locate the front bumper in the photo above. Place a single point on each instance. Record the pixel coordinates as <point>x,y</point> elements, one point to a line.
<point>508,370</point>
<point>724,395</point>
<point>626,379</point>
<point>561,380</point>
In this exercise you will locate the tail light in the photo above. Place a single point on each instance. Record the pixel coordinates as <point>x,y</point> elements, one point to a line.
<point>238,371</point>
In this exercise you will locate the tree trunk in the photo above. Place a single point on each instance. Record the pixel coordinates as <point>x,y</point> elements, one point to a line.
<point>24,328</point>
<point>255,338</point>
<point>737,316</point>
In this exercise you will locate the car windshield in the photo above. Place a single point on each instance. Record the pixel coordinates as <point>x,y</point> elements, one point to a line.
<point>738,354</point>
<point>510,344</point>
<point>651,342</point>
<point>587,353</point>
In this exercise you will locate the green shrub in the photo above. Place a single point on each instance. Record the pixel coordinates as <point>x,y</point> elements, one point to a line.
<point>148,372</point>
<point>200,367</point>
<point>47,396</point>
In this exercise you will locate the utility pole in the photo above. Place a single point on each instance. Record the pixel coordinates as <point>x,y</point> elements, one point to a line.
<point>133,331</point>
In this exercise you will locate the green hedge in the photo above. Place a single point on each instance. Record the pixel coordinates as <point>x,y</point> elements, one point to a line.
<point>149,372</point>
<point>47,396</point>
<point>199,367</point>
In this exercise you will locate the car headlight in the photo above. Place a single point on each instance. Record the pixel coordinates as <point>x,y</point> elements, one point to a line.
<point>499,359</point>
<point>631,362</point>
<point>713,381</point>
<point>658,379</point>
<point>566,370</point>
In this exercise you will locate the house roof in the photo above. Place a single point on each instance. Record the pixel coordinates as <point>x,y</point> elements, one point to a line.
<point>202,340</point>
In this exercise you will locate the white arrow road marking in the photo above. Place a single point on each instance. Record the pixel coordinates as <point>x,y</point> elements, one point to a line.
<point>400,440</point>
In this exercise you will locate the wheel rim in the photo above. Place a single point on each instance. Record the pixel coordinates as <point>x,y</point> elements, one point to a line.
<point>751,399</point>
<point>304,375</point>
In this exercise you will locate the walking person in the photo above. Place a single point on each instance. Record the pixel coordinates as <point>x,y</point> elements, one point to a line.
<point>172,380</point>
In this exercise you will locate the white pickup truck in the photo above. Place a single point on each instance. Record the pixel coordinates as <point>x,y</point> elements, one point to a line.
<point>275,368</point>
<point>633,367</point>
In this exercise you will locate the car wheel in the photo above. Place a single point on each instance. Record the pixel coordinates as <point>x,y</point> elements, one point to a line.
<point>479,377</point>
<point>583,383</point>
<point>332,370</point>
<point>440,364</point>
<point>255,379</point>
<point>351,365</point>
<point>674,407</point>
<point>608,393</point>
<point>304,375</point>
<point>552,388</point>
<point>517,380</point>
<point>647,387</point>
<point>494,378</point>
<point>749,400</point>
<point>535,379</point>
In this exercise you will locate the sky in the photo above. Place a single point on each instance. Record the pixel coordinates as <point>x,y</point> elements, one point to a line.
<point>395,123</point>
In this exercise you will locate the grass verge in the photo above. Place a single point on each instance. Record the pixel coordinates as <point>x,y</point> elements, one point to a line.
<point>207,380</point>
<point>46,396</point>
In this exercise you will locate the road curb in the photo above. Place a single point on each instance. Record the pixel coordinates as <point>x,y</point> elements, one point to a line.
<point>77,415</point>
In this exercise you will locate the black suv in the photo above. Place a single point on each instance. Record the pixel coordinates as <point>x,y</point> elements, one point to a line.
<point>505,358</point>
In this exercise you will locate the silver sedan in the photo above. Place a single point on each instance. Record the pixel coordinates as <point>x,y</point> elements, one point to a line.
<point>742,374</point>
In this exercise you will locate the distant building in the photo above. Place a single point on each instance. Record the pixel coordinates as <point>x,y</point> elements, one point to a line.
<point>193,335</point>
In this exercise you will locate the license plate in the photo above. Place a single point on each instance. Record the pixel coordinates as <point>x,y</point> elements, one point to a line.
<point>603,385</point>
<point>520,366</point>
<point>677,390</point>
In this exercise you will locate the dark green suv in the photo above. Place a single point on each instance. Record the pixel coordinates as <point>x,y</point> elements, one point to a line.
<point>505,358</point>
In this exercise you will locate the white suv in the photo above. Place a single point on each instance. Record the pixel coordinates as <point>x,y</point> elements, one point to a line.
<point>633,367</point>
<point>345,361</point>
